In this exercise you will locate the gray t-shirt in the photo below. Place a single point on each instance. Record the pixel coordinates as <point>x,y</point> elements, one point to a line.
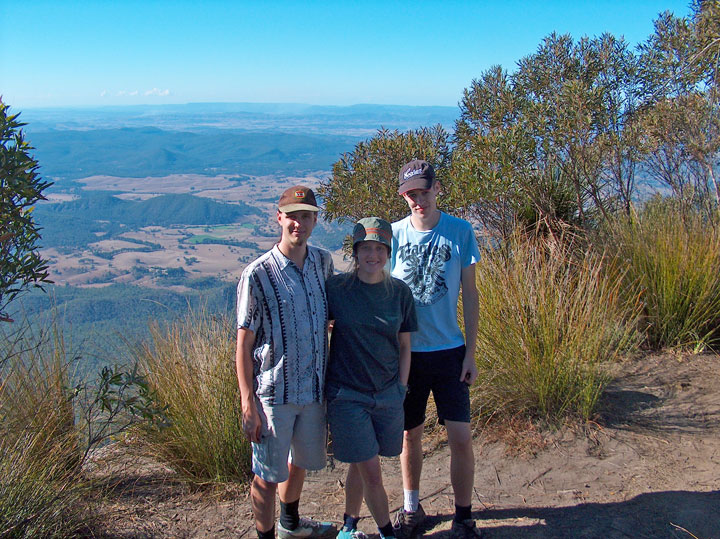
<point>364,348</point>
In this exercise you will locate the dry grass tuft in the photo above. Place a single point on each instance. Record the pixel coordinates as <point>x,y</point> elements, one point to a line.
<point>190,369</point>
<point>550,317</point>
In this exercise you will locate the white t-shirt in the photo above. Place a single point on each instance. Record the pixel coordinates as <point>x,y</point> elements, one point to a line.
<point>430,262</point>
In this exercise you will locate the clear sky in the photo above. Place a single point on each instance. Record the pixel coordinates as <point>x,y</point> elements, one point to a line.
<point>422,52</point>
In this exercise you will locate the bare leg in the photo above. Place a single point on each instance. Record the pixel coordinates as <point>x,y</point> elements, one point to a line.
<point>411,458</point>
<point>262,494</point>
<point>291,489</point>
<point>374,491</point>
<point>353,491</point>
<point>462,461</point>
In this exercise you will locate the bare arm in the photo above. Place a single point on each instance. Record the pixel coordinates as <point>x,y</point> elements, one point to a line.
<point>404,340</point>
<point>470,301</point>
<point>251,422</point>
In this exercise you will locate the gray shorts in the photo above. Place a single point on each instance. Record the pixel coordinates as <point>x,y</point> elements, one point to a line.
<point>363,425</point>
<point>290,433</point>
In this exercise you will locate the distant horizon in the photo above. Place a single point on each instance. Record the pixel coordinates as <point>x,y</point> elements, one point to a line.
<point>88,53</point>
<point>268,103</point>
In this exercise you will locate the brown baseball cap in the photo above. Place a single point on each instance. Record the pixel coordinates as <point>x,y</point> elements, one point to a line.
<point>297,198</point>
<point>417,174</point>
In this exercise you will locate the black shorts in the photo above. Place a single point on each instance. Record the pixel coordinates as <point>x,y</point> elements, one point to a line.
<point>438,372</point>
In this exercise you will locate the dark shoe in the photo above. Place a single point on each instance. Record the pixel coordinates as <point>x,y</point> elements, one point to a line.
<point>407,522</point>
<point>467,529</point>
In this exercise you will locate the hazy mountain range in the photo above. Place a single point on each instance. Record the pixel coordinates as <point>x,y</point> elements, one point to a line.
<point>210,138</point>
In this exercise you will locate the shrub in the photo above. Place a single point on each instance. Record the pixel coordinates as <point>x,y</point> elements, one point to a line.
<point>190,369</point>
<point>671,254</point>
<point>549,319</point>
<point>21,187</point>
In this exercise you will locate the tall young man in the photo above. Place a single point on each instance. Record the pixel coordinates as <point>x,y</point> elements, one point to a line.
<point>435,254</point>
<point>281,360</point>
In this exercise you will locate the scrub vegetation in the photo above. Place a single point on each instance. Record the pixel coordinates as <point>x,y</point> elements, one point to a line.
<point>51,423</point>
<point>672,255</point>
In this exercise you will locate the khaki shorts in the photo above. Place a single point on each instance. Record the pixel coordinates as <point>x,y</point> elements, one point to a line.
<point>290,433</point>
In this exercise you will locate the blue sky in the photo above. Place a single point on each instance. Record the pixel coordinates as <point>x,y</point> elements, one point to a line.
<point>104,52</point>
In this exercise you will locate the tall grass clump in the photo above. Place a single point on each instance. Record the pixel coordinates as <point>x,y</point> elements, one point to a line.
<point>42,490</point>
<point>190,369</point>
<point>550,317</point>
<point>671,255</point>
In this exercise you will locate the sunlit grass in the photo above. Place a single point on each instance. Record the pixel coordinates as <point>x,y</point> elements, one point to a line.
<point>42,489</point>
<point>550,318</point>
<point>671,256</point>
<point>190,368</point>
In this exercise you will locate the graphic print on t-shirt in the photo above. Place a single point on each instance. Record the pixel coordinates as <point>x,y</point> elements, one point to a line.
<point>425,271</point>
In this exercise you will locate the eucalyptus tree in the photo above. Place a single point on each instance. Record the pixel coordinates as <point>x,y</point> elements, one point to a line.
<point>364,182</point>
<point>548,145</point>
<point>21,187</point>
<point>680,124</point>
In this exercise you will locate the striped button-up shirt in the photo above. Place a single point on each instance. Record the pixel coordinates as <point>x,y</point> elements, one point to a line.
<point>286,308</point>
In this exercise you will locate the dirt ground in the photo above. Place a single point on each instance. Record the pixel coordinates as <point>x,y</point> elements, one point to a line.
<point>648,468</point>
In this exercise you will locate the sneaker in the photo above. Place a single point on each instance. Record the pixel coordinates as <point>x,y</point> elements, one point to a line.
<point>407,522</point>
<point>308,528</point>
<point>467,529</point>
<point>348,533</point>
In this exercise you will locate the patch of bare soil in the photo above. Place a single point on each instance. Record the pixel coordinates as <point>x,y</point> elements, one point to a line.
<point>649,468</point>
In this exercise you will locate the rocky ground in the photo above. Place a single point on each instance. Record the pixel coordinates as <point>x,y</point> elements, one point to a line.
<point>648,468</point>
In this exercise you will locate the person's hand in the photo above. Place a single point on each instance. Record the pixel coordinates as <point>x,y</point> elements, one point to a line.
<point>469,372</point>
<point>251,423</point>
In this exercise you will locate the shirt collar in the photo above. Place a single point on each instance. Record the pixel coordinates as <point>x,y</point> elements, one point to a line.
<point>284,261</point>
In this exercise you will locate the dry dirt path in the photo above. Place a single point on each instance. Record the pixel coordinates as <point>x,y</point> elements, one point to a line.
<point>649,469</point>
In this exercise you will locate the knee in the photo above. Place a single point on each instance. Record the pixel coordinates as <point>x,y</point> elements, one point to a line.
<point>413,437</point>
<point>373,480</point>
<point>264,489</point>
<point>460,440</point>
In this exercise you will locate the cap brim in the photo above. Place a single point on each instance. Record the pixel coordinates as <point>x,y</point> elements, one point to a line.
<point>417,183</point>
<point>298,207</point>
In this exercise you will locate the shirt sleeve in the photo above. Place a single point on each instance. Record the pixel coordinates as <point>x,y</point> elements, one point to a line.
<point>248,306</point>
<point>331,266</point>
<point>329,291</point>
<point>409,317</point>
<point>471,253</point>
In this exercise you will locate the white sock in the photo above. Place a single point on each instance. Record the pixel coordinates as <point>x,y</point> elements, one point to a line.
<point>412,500</point>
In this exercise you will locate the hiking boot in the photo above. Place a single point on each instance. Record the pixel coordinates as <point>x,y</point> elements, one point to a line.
<point>467,529</point>
<point>407,522</point>
<point>351,533</point>
<point>308,528</point>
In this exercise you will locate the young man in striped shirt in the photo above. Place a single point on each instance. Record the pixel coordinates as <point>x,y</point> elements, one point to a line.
<point>281,360</point>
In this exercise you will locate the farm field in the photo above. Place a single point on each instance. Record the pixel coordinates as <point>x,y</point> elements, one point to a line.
<point>140,256</point>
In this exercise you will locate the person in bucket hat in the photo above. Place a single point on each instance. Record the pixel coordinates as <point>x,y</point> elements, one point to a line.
<point>435,255</point>
<point>369,362</point>
<point>281,367</point>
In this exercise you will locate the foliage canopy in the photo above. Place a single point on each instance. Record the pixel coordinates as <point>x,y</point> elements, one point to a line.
<point>565,139</point>
<point>21,187</point>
